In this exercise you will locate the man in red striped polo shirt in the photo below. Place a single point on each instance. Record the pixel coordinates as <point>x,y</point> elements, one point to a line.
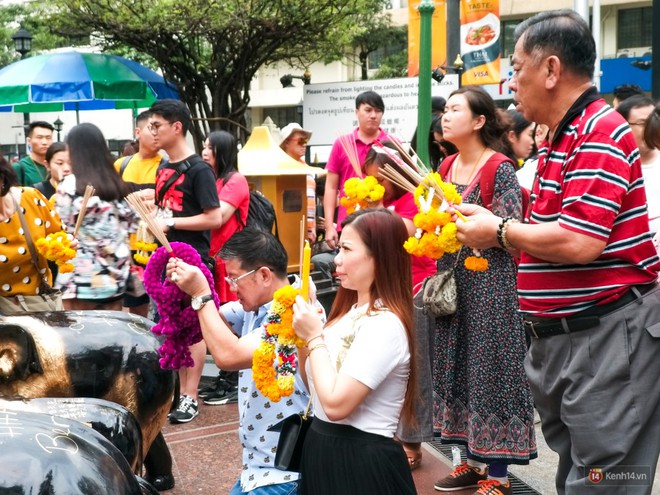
<point>588,271</point>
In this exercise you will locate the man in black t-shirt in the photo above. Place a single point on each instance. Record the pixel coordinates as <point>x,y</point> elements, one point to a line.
<point>188,201</point>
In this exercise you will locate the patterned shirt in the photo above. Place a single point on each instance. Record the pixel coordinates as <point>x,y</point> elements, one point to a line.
<point>257,413</point>
<point>590,181</point>
<point>18,272</point>
<point>102,261</point>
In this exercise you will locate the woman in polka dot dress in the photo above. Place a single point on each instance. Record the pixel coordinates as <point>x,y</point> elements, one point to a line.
<point>18,275</point>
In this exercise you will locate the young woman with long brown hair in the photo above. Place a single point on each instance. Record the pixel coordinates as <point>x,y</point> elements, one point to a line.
<point>359,366</point>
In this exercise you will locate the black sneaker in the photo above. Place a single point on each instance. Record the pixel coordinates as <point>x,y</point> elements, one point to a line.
<point>185,411</point>
<point>462,477</point>
<point>224,381</point>
<point>222,397</point>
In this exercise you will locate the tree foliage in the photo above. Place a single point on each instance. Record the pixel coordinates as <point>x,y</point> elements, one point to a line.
<point>33,17</point>
<point>212,49</point>
<point>371,34</point>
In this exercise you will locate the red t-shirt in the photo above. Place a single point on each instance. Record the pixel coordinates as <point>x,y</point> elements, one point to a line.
<point>339,163</point>
<point>590,181</point>
<point>422,266</point>
<point>235,192</point>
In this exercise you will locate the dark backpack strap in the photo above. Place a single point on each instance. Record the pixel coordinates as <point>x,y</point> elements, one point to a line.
<point>445,165</point>
<point>179,170</point>
<point>124,164</point>
<point>487,179</point>
<point>163,162</point>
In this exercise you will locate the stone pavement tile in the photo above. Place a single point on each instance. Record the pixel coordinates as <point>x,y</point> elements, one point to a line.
<point>434,467</point>
<point>206,452</point>
<point>207,455</point>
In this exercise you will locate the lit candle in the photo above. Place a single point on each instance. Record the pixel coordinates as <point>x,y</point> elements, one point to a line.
<point>304,271</point>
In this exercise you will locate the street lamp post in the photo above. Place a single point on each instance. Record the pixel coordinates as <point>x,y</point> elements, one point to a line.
<point>23,45</point>
<point>58,124</point>
<point>287,79</point>
<point>458,68</point>
<point>426,9</point>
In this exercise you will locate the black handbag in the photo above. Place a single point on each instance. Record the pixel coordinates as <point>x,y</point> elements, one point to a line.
<point>293,430</point>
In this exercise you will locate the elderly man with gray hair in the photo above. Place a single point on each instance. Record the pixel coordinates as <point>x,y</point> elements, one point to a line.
<point>587,280</point>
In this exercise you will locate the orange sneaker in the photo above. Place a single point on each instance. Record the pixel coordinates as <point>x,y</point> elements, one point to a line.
<point>493,487</point>
<point>462,477</point>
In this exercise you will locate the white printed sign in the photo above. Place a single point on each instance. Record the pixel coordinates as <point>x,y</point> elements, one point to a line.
<point>329,109</point>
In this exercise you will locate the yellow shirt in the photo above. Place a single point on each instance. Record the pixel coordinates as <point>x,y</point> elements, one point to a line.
<point>18,273</point>
<point>139,170</point>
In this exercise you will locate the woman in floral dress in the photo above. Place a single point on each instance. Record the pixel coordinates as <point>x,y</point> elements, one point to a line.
<point>102,261</point>
<point>482,399</point>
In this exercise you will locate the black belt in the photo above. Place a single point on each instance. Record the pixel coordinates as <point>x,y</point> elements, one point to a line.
<point>539,327</point>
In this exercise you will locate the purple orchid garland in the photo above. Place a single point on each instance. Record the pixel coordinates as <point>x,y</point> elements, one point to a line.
<point>178,321</point>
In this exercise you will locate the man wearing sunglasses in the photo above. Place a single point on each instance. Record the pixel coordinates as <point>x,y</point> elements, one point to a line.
<point>293,141</point>
<point>256,265</point>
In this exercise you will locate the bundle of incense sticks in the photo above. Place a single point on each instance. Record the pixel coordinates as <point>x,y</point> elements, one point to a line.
<point>347,142</point>
<point>89,192</point>
<point>414,170</point>
<point>140,206</point>
<point>414,161</point>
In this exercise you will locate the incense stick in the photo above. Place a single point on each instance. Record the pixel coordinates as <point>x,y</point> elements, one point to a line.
<point>89,192</point>
<point>416,163</point>
<point>429,181</point>
<point>136,201</point>
<point>347,142</point>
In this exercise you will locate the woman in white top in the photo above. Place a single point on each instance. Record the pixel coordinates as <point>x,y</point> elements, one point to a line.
<point>359,365</point>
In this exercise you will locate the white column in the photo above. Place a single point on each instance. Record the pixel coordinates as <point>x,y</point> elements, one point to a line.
<point>595,29</point>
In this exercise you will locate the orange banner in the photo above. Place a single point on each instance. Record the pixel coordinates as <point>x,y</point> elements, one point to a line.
<point>480,41</point>
<point>438,36</point>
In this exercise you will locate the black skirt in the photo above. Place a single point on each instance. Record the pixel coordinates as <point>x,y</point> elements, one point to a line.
<point>342,460</point>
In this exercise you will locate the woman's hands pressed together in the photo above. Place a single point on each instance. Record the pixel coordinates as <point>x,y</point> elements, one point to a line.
<point>306,320</point>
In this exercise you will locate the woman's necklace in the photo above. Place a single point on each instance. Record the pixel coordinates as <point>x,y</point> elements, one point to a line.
<point>474,167</point>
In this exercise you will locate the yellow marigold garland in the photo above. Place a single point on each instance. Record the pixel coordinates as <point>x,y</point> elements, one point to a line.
<point>361,193</point>
<point>57,247</point>
<point>277,380</point>
<point>436,233</point>
<point>144,244</point>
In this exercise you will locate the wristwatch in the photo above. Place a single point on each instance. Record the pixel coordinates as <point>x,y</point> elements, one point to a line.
<point>198,302</point>
<point>170,222</point>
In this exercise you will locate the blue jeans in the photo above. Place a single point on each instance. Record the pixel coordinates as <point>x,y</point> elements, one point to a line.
<point>290,488</point>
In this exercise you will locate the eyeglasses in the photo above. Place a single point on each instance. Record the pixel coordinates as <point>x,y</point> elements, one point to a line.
<point>233,282</point>
<point>302,142</point>
<point>155,127</point>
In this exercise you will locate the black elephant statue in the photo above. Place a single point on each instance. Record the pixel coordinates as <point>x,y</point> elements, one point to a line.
<point>41,453</point>
<point>111,355</point>
<point>116,423</point>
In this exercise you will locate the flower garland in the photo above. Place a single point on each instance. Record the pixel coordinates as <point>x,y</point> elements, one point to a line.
<point>277,381</point>
<point>178,321</point>
<point>436,233</point>
<point>57,247</point>
<point>361,193</point>
<point>144,243</point>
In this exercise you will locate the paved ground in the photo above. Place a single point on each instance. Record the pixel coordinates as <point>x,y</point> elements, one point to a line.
<point>207,457</point>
